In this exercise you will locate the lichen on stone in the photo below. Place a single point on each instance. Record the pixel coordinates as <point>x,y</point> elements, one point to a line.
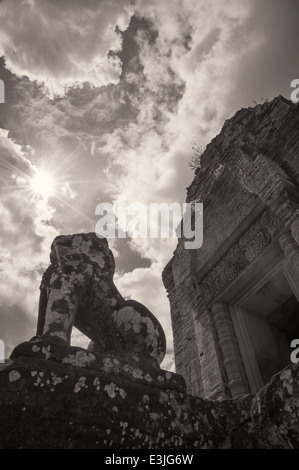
<point>14,375</point>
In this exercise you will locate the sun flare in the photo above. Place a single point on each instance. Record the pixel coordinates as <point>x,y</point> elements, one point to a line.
<point>42,183</point>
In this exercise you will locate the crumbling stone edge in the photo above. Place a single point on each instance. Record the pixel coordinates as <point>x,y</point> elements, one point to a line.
<point>44,404</point>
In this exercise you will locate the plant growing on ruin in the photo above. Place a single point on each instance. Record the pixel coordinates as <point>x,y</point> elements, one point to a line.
<point>195,162</point>
<point>262,101</point>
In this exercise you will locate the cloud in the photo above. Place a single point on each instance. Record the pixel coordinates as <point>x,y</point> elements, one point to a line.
<point>186,55</point>
<point>266,71</point>
<point>16,326</point>
<point>62,44</point>
<point>199,44</point>
<point>130,258</point>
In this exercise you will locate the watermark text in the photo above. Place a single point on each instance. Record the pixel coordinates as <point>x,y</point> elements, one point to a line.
<point>295,353</point>
<point>295,93</point>
<point>2,92</point>
<point>158,220</point>
<point>2,352</point>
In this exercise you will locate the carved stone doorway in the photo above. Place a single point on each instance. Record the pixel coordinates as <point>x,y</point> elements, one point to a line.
<point>265,324</point>
<point>264,310</point>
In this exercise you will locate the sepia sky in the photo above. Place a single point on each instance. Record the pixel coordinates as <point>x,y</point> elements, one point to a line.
<point>108,98</point>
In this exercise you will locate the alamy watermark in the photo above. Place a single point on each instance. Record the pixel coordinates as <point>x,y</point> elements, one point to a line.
<point>2,352</point>
<point>295,353</point>
<point>159,220</point>
<point>295,93</point>
<point>2,92</point>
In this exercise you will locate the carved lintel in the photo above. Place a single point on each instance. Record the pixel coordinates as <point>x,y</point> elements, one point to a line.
<point>241,255</point>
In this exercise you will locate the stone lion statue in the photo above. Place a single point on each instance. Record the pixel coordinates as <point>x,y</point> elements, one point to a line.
<point>77,289</point>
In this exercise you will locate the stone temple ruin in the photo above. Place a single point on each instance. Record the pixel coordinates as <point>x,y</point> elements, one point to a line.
<point>234,307</point>
<point>234,302</point>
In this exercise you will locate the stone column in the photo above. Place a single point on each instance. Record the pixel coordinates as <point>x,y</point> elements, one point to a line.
<point>232,360</point>
<point>209,355</point>
<point>291,251</point>
<point>295,227</point>
<point>251,367</point>
<point>290,266</point>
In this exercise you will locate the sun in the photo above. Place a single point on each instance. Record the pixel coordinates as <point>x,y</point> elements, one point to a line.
<point>42,183</point>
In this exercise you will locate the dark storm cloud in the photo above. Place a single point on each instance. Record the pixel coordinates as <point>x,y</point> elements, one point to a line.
<point>130,259</point>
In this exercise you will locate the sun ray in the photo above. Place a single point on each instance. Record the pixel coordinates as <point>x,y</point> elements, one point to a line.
<point>64,202</point>
<point>32,183</point>
<point>28,207</point>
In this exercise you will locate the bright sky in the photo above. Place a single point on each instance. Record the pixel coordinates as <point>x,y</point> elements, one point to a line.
<point>106,98</point>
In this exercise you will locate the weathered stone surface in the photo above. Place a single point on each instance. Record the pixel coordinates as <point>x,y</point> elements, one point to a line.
<point>44,404</point>
<point>134,369</point>
<point>275,411</point>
